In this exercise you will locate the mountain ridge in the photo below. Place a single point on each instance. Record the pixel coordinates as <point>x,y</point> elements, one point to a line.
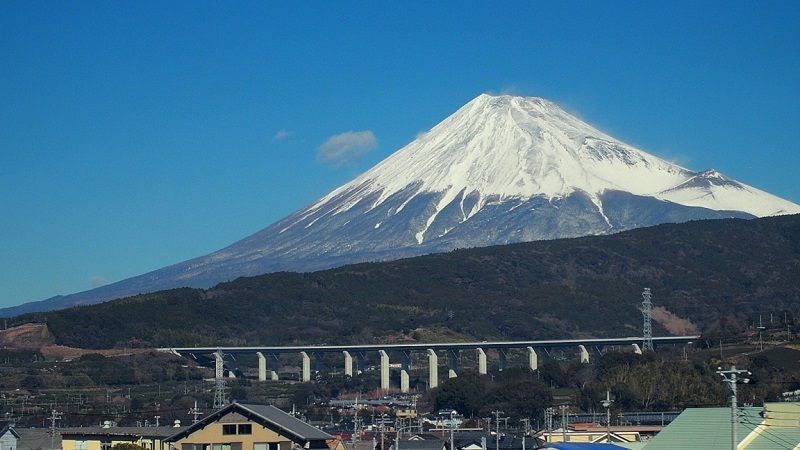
<point>500,169</point>
<point>719,275</point>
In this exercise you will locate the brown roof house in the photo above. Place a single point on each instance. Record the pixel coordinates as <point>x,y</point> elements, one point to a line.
<point>241,426</point>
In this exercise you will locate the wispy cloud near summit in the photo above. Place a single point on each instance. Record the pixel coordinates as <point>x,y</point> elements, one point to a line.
<point>347,148</point>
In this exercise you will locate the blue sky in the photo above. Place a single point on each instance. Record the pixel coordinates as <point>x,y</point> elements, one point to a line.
<point>134,135</point>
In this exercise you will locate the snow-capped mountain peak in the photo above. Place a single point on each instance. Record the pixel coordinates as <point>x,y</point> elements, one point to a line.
<point>519,147</point>
<point>500,169</point>
<point>507,147</point>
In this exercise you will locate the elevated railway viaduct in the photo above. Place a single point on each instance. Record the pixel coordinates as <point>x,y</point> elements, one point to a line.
<point>268,356</point>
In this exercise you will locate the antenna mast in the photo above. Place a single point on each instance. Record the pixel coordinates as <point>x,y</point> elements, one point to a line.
<point>647,328</point>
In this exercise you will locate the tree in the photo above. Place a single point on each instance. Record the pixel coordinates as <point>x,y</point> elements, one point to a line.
<point>127,446</point>
<point>519,398</point>
<point>464,393</point>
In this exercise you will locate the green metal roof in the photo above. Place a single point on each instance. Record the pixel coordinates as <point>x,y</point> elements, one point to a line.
<point>706,429</point>
<point>779,429</point>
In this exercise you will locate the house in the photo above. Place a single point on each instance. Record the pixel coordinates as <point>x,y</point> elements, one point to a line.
<point>418,444</point>
<point>586,433</point>
<point>479,440</point>
<point>8,437</point>
<point>38,439</point>
<point>773,426</point>
<point>583,446</point>
<point>241,426</point>
<point>104,437</point>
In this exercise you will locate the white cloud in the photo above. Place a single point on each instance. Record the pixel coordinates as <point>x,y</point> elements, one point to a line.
<point>97,281</point>
<point>281,135</point>
<point>347,148</point>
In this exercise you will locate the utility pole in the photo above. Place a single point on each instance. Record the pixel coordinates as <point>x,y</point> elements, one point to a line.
<point>497,429</point>
<point>356,423</point>
<point>607,405</point>
<point>761,328</point>
<point>548,423</point>
<point>54,415</point>
<point>195,413</point>
<point>452,427</point>
<point>382,448</point>
<point>564,421</point>
<point>731,378</point>
<point>527,425</point>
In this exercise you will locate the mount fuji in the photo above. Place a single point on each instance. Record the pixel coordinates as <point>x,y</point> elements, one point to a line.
<point>501,169</point>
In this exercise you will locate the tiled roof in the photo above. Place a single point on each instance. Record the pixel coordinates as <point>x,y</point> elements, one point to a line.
<point>269,414</point>
<point>37,438</point>
<point>287,422</point>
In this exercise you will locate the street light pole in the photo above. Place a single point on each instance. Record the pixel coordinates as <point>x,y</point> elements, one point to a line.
<point>452,426</point>
<point>731,378</point>
<point>607,405</point>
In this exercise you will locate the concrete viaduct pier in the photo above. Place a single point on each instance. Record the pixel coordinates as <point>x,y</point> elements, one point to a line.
<point>268,356</point>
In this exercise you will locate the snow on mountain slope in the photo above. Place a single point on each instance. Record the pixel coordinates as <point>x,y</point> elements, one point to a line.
<point>501,169</point>
<point>712,190</point>
<point>521,147</point>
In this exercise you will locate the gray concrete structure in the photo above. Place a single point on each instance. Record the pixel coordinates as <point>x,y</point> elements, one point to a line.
<point>404,373</point>
<point>348,363</point>
<point>262,366</point>
<point>550,344</point>
<point>536,349</point>
<point>306,374</point>
<point>584,354</point>
<point>533,359</point>
<point>384,370</point>
<point>433,369</point>
<point>481,361</point>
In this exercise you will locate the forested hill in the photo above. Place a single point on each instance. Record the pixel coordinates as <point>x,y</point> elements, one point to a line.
<point>713,275</point>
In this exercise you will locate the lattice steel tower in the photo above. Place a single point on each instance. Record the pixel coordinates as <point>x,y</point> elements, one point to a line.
<point>220,400</point>
<point>647,327</point>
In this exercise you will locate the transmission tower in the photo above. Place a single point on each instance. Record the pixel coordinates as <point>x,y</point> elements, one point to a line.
<point>219,382</point>
<point>647,311</point>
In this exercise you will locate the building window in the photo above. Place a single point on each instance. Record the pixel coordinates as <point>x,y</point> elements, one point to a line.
<point>245,428</point>
<point>105,445</point>
<point>81,445</point>
<point>265,446</point>
<point>229,429</point>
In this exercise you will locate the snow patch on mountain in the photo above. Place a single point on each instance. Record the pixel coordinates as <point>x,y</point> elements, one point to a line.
<point>509,147</point>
